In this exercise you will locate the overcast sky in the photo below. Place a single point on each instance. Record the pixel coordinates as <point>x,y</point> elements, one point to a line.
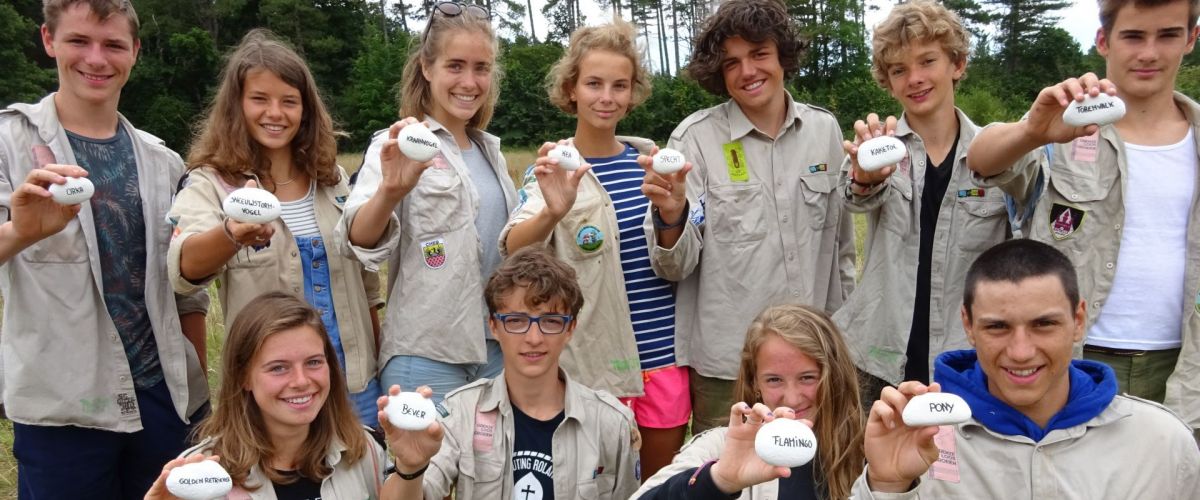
<point>1080,20</point>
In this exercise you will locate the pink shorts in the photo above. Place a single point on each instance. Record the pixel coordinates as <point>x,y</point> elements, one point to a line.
<point>667,403</point>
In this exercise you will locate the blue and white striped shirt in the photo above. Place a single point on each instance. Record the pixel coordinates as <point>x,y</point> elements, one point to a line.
<point>651,299</point>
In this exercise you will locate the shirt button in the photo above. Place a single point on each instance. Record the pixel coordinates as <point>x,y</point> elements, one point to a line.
<point>113,337</point>
<point>1109,265</point>
<point>795,293</point>
<point>791,256</point>
<point>316,264</point>
<point>317,288</point>
<point>1074,196</point>
<point>1117,227</point>
<point>920,163</point>
<point>1096,304</point>
<point>293,254</point>
<point>785,218</point>
<point>124,378</point>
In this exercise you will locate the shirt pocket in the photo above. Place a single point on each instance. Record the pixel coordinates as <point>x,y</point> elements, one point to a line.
<point>816,189</point>
<point>737,213</point>
<point>64,247</point>
<point>981,223</point>
<point>897,213</point>
<point>438,204</point>
<point>1077,186</point>
<point>588,232</point>
<point>480,477</point>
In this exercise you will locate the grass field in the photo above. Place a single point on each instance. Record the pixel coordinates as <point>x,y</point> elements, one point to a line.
<point>517,161</point>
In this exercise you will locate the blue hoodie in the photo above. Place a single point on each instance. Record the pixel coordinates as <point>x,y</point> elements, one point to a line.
<point>1093,386</point>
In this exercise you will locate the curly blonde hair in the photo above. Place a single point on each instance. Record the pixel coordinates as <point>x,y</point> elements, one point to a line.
<point>915,21</point>
<point>618,37</point>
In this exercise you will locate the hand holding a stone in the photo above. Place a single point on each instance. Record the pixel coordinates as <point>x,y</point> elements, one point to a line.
<point>667,192</point>
<point>898,454</point>
<point>35,215</point>
<point>739,465</point>
<point>249,233</point>
<point>1044,123</point>
<point>864,131</point>
<point>158,490</point>
<point>400,173</point>
<point>413,449</point>
<point>559,183</point>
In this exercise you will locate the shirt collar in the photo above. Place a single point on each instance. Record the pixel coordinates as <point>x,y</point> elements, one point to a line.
<point>740,126</point>
<point>495,397</point>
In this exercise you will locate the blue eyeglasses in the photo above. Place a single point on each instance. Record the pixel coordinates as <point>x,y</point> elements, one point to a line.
<point>519,323</point>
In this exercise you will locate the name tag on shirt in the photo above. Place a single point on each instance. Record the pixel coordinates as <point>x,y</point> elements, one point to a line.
<point>735,162</point>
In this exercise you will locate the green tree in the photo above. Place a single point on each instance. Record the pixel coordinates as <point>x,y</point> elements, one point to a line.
<point>524,115</point>
<point>22,80</point>
<point>370,101</point>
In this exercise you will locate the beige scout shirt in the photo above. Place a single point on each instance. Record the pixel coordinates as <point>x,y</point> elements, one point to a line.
<point>878,317</point>
<point>361,480</point>
<point>1087,177</point>
<point>1133,449</point>
<point>277,266</point>
<point>435,308</point>
<point>593,448</point>
<point>703,448</point>
<point>765,228</point>
<point>63,361</point>
<point>603,352</point>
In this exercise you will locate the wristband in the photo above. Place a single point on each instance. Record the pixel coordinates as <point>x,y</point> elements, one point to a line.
<point>410,477</point>
<point>229,234</point>
<point>660,224</point>
<point>695,475</point>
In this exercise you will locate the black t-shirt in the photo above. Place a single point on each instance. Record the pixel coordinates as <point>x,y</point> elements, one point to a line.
<point>300,489</point>
<point>937,179</point>
<point>532,460</point>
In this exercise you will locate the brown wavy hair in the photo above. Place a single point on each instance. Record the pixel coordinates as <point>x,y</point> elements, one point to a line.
<point>236,426</point>
<point>618,37</point>
<point>547,279</point>
<point>414,97</point>
<point>918,20</point>
<point>754,21</point>
<point>223,142</point>
<point>837,416</point>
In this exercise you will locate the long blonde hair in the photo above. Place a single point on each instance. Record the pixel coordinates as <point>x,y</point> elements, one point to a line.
<point>415,98</point>
<point>837,416</point>
<point>236,426</point>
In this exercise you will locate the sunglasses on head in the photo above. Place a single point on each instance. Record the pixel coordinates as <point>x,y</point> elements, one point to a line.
<point>454,9</point>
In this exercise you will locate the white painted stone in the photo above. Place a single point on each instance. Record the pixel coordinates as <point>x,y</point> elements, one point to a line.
<point>1101,110</point>
<point>76,190</point>
<point>936,408</point>
<point>784,442</point>
<point>418,143</point>
<point>253,205</point>
<point>874,154</point>
<point>410,411</point>
<point>199,481</point>
<point>668,161</point>
<point>568,157</point>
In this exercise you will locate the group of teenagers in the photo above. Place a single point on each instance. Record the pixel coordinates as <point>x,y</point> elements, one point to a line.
<point>573,330</point>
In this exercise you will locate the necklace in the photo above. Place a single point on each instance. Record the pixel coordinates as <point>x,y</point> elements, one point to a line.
<point>289,181</point>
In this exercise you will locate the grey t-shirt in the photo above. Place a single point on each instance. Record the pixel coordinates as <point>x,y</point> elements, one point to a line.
<point>493,210</point>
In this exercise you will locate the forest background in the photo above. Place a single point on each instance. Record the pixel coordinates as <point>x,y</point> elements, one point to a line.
<point>357,50</point>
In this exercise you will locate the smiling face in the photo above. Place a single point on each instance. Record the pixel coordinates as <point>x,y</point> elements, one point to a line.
<point>289,379</point>
<point>460,77</point>
<point>273,110</point>
<point>604,89</point>
<point>1023,334</point>
<point>753,75</point>
<point>1145,48</point>
<point>532,356</point>
<point>785,376</point>
<point>94,57</point>
<point>922,80</point>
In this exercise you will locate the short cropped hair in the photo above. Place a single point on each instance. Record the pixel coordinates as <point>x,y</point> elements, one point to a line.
<point>103,9</point>
<point>754,21</point>
<point>916,21</point>
<point>546,279</point>
<point>1109,9</point>
<point>1014,261</point>
<point>618,37</point>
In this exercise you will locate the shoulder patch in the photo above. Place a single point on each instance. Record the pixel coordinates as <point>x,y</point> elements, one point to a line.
<point>802,105</point>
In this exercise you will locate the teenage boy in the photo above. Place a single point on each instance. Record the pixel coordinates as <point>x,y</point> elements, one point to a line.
<point>1043,425</point>
<point>100,384</point>
<point>531,432</point>
<point>926,220</point>
<point>755,221</point>
<point>1121,199</point>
